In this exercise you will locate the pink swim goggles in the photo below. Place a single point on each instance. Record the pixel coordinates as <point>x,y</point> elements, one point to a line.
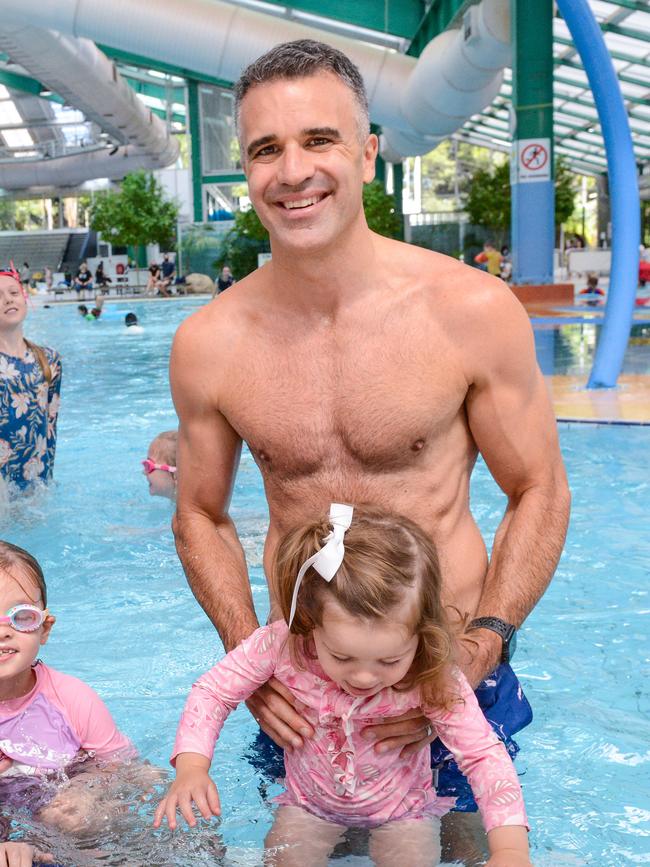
<point>11,272</point>
<point>150,466</point>
<point>25,618</point>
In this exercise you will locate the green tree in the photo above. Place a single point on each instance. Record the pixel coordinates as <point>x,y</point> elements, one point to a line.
<point>136,214</point>
<point>248,237</point>
<point>380,210</point>
<point>242,243</point>
<point>488,201</point>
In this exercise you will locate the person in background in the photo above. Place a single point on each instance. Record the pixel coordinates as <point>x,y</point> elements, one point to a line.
<point>30,384</point>
<point>49,278</point>
<point>506,263</point>
<point>83,280</point>
<point>25,276</point>
<point>489,259</point>
<point>132,324</point>
<point>224,280</point>
<point>159,467</point>
<point>168,273</point>
<point>592,294</point>
<point>153,278</point>
<point>101,279</point>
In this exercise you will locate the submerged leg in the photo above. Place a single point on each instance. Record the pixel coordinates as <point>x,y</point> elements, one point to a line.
<point>298,838</point>
<point>464,839</point>
<point>415,842</point>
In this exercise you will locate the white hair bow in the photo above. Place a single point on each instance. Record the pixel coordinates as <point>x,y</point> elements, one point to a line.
<point>328,560</point>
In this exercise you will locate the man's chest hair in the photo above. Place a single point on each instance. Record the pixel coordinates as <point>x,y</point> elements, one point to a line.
<point>377,406</point>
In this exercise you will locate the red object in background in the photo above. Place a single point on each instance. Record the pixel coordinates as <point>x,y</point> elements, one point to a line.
<point>644,272</point>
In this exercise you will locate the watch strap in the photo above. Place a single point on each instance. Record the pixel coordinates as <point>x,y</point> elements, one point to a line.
<point>505,630</point>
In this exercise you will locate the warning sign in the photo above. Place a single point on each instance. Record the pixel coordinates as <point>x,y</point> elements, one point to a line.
<point>533,160</point>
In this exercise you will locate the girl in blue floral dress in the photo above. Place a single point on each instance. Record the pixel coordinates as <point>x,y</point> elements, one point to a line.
<point>30,382</point>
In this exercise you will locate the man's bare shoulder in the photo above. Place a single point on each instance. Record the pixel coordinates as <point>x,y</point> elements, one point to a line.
<point>218,326</point>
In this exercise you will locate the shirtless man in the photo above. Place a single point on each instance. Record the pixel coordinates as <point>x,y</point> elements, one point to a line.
<point>359,370</point>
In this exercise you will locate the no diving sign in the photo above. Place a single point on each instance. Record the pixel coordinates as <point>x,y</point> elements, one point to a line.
<point>533,160</point>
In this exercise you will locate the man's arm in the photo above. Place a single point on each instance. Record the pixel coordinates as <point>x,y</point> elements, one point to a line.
<point>206,539</point>
<point>513,425</point>
<point>207,458</point>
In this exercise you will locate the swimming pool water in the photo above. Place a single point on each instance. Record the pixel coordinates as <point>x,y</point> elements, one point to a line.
<point>128,624</point>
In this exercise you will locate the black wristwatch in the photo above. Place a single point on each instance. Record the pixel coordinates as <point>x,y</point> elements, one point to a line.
<point>507,632</point>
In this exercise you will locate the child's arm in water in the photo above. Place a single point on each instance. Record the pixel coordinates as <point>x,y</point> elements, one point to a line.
<point>508,847</point>
<point>212,698</point>
<point>192,785</point>
<point>482,757</point>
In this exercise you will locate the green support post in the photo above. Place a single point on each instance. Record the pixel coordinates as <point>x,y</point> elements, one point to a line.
<point>398,184</point>
<point>533,192</point>
<point>194,127</point>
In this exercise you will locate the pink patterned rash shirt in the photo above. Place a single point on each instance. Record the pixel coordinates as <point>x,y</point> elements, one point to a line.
<point>59,720</point>
<point>336,774</point>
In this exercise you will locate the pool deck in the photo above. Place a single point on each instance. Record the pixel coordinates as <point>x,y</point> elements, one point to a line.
<point>628,403</point>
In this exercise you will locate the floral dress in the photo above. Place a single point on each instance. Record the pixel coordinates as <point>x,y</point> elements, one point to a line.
<point>28,412</point>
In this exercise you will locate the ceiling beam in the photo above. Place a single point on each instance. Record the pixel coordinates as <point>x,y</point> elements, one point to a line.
<point>440,15</point>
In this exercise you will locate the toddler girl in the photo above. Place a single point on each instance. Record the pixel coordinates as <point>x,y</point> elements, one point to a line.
<point>159,467</point>
<point>48,720</point>
<point>30,381</point>
<point>364,637</point>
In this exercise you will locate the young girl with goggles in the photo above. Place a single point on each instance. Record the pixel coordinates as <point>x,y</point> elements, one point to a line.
<point>48,720</point>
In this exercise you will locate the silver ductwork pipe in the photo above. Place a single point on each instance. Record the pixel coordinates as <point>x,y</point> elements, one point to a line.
<point>416,101</point>
<point>79,72</point>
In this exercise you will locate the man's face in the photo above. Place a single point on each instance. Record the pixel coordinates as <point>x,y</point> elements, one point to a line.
<point>304,159</point>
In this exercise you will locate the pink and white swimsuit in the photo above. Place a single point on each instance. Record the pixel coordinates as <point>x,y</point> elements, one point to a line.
<point>337,775</point>
<point>46,729</point>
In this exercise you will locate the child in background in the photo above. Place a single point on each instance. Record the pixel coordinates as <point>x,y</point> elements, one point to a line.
<point>364,636</point>
<point>132,324</point>
<point>159,466</point>
<point>594,294</point>
<point>49,721</point>
<point>30,383</point>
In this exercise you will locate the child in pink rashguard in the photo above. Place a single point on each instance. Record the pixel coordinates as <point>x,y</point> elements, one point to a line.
<point>365,636</point>
<point>48,720</point>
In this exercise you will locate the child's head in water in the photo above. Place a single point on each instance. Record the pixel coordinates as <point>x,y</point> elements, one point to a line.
<point>380,621</point>
<point>25,622</point>
<point>160,465</point>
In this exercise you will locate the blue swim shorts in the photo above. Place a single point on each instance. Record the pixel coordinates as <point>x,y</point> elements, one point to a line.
<point>501,699</point>
<point>506,708</point>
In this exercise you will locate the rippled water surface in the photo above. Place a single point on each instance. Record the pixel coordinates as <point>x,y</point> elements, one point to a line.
<point>128,624</point>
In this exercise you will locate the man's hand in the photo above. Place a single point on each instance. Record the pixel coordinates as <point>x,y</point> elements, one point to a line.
<point>479,653</point>
<point>22,855</point>
<point>191,786</point>
<point>273,707</point>
<point>411,731</point>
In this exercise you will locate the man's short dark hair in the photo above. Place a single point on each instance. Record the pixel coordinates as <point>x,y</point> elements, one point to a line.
<point>298,59</point>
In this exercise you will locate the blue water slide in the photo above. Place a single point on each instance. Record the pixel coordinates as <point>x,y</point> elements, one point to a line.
<point>623,190</point>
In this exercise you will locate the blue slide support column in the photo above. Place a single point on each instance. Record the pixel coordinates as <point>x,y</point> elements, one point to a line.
<point>531,175</point>
<point>623,190</point>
